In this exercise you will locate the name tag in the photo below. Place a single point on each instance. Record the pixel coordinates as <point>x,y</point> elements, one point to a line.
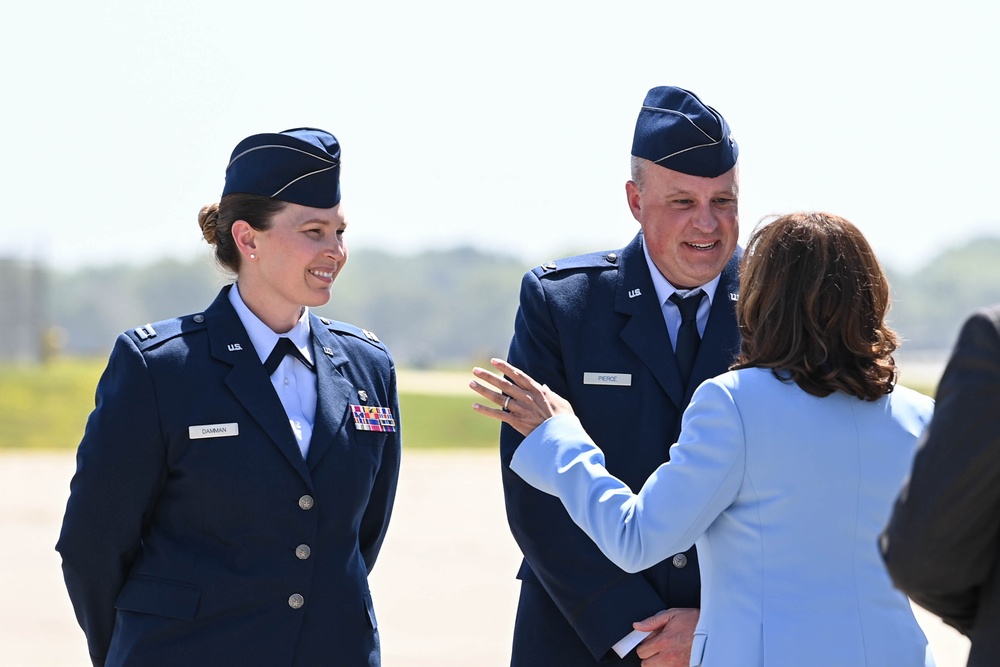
<point>618,379</point>
<point>213,431</point>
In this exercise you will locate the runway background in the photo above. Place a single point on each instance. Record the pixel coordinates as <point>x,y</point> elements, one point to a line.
<point>444,586</point>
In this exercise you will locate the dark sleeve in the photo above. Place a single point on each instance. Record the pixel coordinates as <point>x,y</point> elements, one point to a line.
<point>599,600</point>
<point>941,542</point>
<point>120,470</point>
<point>375,521</point>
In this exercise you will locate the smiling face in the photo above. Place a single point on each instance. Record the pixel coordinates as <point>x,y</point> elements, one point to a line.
<point>690,224</point>
<point>294,263</point>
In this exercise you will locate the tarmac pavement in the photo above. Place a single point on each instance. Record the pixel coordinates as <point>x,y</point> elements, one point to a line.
<point>444,586</point>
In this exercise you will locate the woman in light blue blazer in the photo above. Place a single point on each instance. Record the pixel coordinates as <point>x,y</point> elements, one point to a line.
<point>785,470</point>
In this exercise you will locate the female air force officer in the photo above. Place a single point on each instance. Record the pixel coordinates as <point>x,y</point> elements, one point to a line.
<point>230,501</point>
<point>785,470</point>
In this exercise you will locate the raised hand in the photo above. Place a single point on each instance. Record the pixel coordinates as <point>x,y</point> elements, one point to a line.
<point>524,404</point>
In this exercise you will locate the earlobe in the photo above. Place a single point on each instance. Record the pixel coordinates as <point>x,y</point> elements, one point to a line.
<point>245,238</point>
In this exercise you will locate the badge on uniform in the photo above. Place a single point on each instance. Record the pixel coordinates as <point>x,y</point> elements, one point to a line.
<point>213,431</point>
<point>373,418</point>
<point>615,379</point>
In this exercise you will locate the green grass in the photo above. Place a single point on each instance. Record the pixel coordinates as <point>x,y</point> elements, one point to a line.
<point>926,389</point>
<point>46,407</point>
<point>445,422</point>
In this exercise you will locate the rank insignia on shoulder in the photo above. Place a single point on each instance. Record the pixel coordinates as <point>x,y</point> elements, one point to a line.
<point>370,336</point>
<point>145,331</point>
<point>372,418</point>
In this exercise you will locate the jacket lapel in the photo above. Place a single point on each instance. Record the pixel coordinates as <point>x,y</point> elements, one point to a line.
<point>247,380</point>
<point>334,391</point>
<point>645,331</point>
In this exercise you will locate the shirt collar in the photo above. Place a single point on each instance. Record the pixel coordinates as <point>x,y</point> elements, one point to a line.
<point>261,335</point>
<point>663,287</point>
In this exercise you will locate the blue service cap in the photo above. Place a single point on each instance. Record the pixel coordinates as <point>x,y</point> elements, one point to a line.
<point>300,166</point>
<point>678,131</point>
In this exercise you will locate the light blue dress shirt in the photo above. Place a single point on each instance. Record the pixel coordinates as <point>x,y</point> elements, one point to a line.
<point>294,383</point>
<point>671,313</point>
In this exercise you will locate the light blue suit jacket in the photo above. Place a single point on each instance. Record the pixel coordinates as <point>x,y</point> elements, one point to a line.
<point>784,494</point>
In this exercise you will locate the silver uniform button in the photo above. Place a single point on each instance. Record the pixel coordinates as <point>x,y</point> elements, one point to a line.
<point>303,551</point>
<point>306,502</point>
<point>295,601</point>
<point>680,561</point>
<point>199,318</point>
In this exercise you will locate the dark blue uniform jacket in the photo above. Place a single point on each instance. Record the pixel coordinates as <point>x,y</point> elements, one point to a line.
<point>599,314</point>
<point>229,550</point>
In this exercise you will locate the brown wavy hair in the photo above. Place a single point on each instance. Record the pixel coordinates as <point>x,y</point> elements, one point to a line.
<point>812,307</point>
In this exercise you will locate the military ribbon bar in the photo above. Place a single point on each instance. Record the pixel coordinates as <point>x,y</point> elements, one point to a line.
<point>372,418</point>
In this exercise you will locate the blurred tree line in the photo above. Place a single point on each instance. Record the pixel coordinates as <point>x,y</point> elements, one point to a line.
<point>434,309</point>
<point>453,307</point>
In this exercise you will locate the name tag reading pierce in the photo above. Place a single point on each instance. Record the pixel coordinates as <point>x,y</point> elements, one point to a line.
<point>614,379</point>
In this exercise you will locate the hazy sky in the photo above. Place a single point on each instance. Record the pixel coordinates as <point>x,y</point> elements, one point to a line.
<point>506,126</point>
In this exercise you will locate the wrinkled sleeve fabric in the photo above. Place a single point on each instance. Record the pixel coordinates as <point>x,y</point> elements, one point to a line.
<point>941,544</point>
<point>597,598</point>
<point>121,467</point>
<point>636,530</point>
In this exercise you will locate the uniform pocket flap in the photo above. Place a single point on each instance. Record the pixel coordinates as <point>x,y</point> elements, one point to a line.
<point>162,597</point>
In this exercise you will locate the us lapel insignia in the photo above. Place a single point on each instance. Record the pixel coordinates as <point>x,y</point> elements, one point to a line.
<point>734,296</point>
<point>234,347</point>
<point>372,418</point>
<point>327,351</point>
<point>634,293</point>
<point>363,395</point>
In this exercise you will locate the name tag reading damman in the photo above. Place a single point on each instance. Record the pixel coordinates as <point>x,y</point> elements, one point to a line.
<point>213,431</point>
<point>618,379</point>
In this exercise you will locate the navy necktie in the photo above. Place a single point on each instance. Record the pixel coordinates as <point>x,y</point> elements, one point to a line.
<point>688,338</point>
<point>284,347</point>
